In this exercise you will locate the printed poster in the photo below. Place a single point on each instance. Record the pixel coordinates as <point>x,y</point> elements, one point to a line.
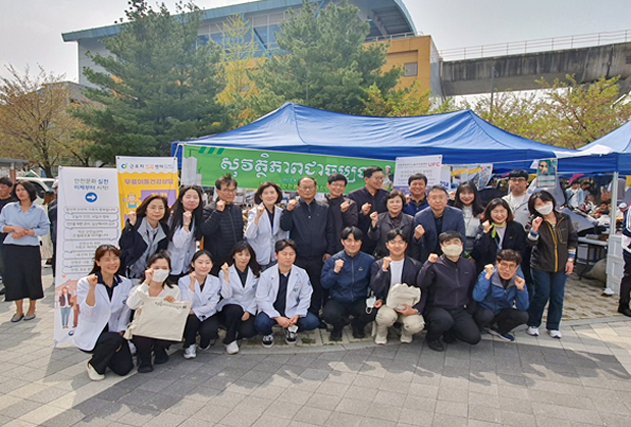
<point>547,173</point>
<point>430,166</point>
<point>480,175</point>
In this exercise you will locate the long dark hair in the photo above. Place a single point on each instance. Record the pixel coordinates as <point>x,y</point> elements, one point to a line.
<point>245,246</point>
<point>476,206</point>
<point>141,212</point>
<point>100,253</point>
<point>198,254</point>
<point>545,197</point>
<point>164,254</point>
<point>492,205</point>
<point>177,212</point>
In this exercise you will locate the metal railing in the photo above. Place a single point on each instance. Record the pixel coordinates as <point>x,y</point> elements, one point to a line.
<point>539,45</point>
<point>391,37</point>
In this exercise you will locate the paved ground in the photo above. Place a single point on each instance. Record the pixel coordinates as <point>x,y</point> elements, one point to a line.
<point>580,380</point>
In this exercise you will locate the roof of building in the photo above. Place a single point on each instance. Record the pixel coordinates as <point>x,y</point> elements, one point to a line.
<point>392,14</point>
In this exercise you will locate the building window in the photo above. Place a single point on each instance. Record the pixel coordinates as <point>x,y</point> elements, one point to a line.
<point>411,69</point>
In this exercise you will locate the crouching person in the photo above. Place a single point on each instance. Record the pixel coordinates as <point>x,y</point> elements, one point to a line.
<point>386,272</point>
<point>502,296</point>
<point>283,297</point>
<point>449,280</point>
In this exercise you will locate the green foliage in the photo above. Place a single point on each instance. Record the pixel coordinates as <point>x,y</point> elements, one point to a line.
<point>405,102</point>
<point>159,85</point>
<point>324,62</point>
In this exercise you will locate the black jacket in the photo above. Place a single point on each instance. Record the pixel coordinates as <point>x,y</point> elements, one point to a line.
<point>385,223</point>
<point>132,244</point>
<point>3,203</point>
<point>550,251</point>
<point>378,202</point>
<point>448,284</point>
<point>311,228</point>
<point>52,217</point>
<point>341,219</point>
<point>485,248</point>
<point>380,280</point>
<point>221,230</point>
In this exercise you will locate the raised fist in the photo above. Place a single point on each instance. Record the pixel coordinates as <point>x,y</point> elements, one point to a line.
<point>131,217</point>
<point>519,283</point>
<point>489,270</point>
<point>486,225</point>
<point>259,210</point>
<point>221,205</point>
<point>345,205</point>
<point>374,218</point>
<point>419,231</point>
<point>292,204</point>
<point>92,280</point>
<point>432,258</point>
<point>339,263</point>
<point>366,207</point>
<point>536,223</point>
<point>188,217</point>
<point>386,263</point>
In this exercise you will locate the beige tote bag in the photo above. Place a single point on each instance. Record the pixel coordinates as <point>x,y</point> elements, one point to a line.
<point>159,319</point>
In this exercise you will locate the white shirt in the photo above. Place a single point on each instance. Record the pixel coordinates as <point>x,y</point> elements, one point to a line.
<point>396,272</point>
<point>519,206</point>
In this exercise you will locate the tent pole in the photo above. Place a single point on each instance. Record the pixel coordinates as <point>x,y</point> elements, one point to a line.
<point>614,204</point>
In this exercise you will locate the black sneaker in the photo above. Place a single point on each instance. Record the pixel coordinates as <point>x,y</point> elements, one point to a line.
<point>268,341</point>
<point>358,331</point>
<point>336,335</point>
<point>624,309</point>
<point>435,345</point>
<point>161,357</point>
<point>449,337</point>
<point>145,369</point>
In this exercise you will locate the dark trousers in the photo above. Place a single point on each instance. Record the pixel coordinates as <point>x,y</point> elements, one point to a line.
<point>625,283</point>
<point>263,323</point>
<point>111,351</point>
<point>507,319</point>
<point>207,330</point>
<point>548,286</point>
<point>456,320</point>
<point>336,313</point>
<point>313,266</point>
<point>145,346</point>
<point>230,317</point>
<point>2,262</point>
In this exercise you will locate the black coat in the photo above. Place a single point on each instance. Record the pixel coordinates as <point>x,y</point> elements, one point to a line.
<point>385,223</point>
<point>378,202</point>
<point>380,280</point>
<point>312,230</point>
<point>485,247</point>
<point>221,230</point>
<point>132,245</point>
<point>449,285</point>
<point>341,219</point>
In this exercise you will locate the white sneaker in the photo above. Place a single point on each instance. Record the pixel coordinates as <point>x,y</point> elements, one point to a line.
<point>291,335</point>
<point>533,331</point>
<point>190,352</point>
<point>406,338</point>
<point>555,333</point>
<point>232,348</point>
<point>94,376</point>
<point>268,341</point>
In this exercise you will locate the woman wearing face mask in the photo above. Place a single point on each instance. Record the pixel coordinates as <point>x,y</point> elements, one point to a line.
<point>184,230</point>
<point>553,240</point>
<point>468,201</point>
<point>145,233</point>
<point>154,284</point>
<point>498,231</point>
<point>204,291</point>
<point>382,223</point>
<point>237,313</point>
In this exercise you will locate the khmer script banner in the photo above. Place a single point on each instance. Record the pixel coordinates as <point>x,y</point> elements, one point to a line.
<point>253,167</point>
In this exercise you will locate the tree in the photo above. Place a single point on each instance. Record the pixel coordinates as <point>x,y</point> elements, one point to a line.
<point>324,62</point>
<point>160,84</point>
<point>35,123</point>
<point>405,102</point>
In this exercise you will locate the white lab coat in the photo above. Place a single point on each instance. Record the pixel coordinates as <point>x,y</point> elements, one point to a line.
<point>299,292</point>
<point>182,249</point>
<point>261,238</point>
<point>245,296</point>
<point>204,302</point>
<point>92,320</point>
<point>137,295</point>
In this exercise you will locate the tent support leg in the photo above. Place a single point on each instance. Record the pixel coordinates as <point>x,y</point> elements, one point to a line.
<point>614,203</point>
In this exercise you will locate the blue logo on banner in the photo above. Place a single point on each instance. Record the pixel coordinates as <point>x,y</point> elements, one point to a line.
<point>91,197</point>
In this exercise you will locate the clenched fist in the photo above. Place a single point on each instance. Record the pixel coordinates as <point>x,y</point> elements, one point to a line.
<point>131,217</point>
<point>345,205</point>
<point>432,258</point>
<point>339,263</point>
<point>292,204</point>
<point>536,223</point>
<point>489,270</point>
<point>92,280</point>
<point>259,210</point>
<point>519,283</point>
<point>366,207</point>
<point>188,217</point>
<point>486,225</point>
<point>386,263</point>
<point>374,217</point>
<point>220,206</point>
<point>419,231</point>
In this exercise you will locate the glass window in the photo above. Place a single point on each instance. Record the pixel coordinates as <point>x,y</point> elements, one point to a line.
<point>411,69</point>
<point>202,40</point>
<point>262,33</point>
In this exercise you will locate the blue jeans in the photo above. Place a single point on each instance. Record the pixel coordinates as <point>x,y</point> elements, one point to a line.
<point>65,315</point>
<point>548,286</point>
<point>263,323</point>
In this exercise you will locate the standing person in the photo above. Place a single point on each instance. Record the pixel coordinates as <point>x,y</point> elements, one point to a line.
<point>517,198</point>
<point>65,306</point>
<point>382,223</point>
<point>146,232</point>
<point>574,195</point>
<point>155,284</point>
<point>625,284</point>
<point>223,222</point>
<point>23,221</point>
<point>103,315</point>
<point>497,232</point>
<point>5,197</point>
<point>370,198</point>
<point>343,210</point>
<point>283,297</point>
<point>308,223</point>
<point>203,290</point>
<point>434,220</point>
<point>346,275</point>
<point>468,201</point>
<point>237,312</point>
<point>184,229</point>
<point>46,243</point>
<point>502,296</point>
<point>386,272</point>
<point>263,230</point>
<point>553,240</point>
<point>417,184</point>
<point>52,217</point>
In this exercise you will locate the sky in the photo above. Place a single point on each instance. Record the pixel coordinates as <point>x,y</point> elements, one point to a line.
<point>30,30</point>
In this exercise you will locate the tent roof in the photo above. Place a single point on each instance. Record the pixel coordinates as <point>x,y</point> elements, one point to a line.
<point>461,137</point>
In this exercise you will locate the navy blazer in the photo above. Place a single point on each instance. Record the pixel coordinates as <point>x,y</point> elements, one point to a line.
<point>452,221</point>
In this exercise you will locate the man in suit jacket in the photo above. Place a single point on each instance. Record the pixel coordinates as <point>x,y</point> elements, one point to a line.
<point>436,219</point>
<point>343,210</point>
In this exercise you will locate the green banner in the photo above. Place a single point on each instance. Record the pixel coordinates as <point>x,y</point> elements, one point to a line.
<point>253,167</point>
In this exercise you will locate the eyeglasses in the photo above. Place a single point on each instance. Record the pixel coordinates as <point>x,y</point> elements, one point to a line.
<point>507,266</point>
<point>229,190</point>
<point>311,188</point>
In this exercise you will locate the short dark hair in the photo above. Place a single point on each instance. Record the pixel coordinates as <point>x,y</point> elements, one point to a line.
<point>100,253</point>
<point>392,234</point>
<point>545,197</point>
<point>257,196</point>
<point>518,173</point>
<point>226,180</point>
<point>141,212</point>
<point>509,255</point>
<point>6,181</point>
<point>337,177</point>
<point>415,177</point>
<point>29,187</point>
<point>370,170</point>
<point>245,246</point>
<point>438,188</point>
<point>448,235</point>
<point>308,177</point>
<point>492,205</point>
<point>163,254</point>
<point>282,244</point>
<point>354,231</point>
<point>394,194</point>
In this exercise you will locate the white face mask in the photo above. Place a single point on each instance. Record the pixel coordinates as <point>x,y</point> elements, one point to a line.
<point>545,209</point>
<point>160,275</point>
<point>452,250</point>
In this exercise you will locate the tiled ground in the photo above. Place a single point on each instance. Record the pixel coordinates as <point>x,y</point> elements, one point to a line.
<point>580,380</point>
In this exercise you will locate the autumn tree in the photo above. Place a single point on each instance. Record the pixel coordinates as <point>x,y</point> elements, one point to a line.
<point>405,102</point>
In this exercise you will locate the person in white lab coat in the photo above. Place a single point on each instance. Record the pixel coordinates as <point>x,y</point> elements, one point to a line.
<point>154,284</point>
<point>263,230</point>
<point>237,313</point>
<point>103,315</point>
<point>184,230</point>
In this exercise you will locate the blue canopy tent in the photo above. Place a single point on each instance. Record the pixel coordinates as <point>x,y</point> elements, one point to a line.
<point>461,137</point>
